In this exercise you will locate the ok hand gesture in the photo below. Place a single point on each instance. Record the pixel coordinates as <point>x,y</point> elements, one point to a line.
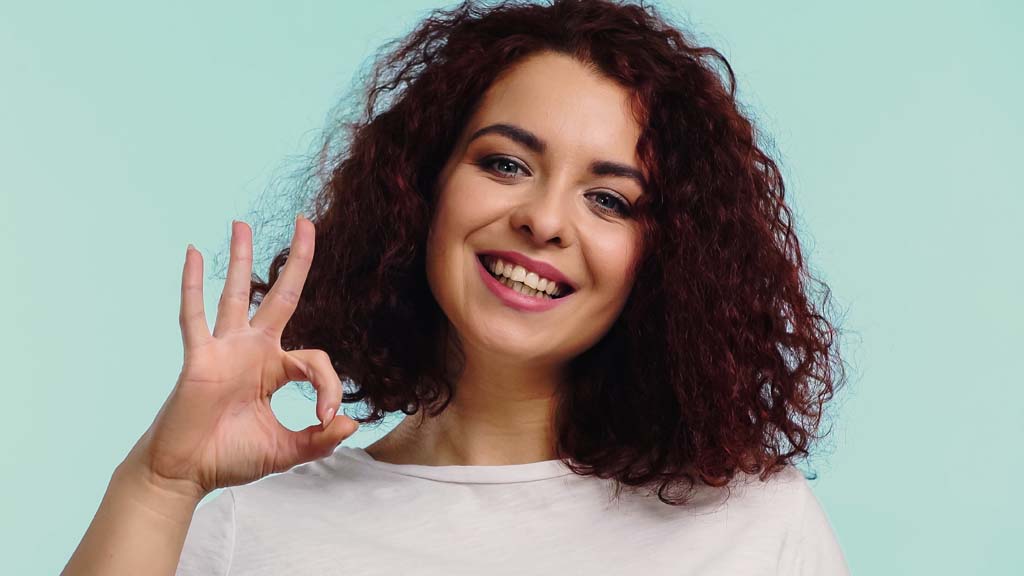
<point>217,429</point>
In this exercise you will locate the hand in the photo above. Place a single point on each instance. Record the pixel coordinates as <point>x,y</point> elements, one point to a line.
<point>216,428</point>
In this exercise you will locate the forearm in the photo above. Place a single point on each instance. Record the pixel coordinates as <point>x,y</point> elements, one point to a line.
<point>139,528</point>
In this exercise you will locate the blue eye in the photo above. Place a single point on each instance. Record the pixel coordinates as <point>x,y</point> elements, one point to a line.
<point>494,160</point>
<point>616,206</point>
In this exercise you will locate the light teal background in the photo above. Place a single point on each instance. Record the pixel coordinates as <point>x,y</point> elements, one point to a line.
<point>128,131</point>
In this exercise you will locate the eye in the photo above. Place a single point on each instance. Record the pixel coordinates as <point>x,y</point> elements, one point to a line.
<point>612,203</point>
<point>489,163</point>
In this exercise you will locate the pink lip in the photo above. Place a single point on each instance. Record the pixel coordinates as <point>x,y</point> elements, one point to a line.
<point>514,299</point>
<point>541,268</point>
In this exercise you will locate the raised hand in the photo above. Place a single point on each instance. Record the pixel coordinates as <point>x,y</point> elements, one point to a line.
<point>216,428</point>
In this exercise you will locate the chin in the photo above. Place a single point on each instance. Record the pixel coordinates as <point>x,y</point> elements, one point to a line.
<point>512,344</point>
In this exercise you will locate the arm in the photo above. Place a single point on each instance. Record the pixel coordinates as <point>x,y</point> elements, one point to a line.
<point>140,526</point>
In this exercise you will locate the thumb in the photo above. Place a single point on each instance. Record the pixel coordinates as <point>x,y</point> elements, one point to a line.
<point>314,442</point>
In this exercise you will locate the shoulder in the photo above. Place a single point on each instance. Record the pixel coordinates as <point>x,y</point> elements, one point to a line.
<point>290,501</point>
<point>304,480</point>
<point>810,544</point>
<point>770,507</point>
<point>785,491</point>
<point>785,495</point>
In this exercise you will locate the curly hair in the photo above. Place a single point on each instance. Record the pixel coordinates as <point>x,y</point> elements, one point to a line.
<point>720,362</point>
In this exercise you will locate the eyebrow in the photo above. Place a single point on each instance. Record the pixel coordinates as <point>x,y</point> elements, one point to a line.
<point>534,143</point>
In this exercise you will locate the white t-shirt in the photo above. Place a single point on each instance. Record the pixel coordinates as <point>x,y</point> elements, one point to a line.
<point>350,514</point>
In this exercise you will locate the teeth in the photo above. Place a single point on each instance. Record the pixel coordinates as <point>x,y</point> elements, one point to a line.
<point>530,282</point>
<point>519,273</point>
<point>506,275</point>
<point>534,283</point>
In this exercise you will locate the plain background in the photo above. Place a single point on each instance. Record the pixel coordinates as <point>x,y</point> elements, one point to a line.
<point>128,131</point>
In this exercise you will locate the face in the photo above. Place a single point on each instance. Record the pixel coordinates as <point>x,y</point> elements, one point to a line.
<point>541,173</point>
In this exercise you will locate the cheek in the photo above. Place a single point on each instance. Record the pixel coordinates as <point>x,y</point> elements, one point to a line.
<point>438,254</point>
<point>457,215</point>
<point>466,203</point>
<point>612,258</point>
<point>444,226</point>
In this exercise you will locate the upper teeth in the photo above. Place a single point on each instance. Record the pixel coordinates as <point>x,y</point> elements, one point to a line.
<point>517,273</point>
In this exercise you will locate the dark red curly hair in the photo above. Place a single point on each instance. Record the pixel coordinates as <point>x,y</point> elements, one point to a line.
<point>719,363</point>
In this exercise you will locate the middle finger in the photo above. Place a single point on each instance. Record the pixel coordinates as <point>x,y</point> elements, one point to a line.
<point>283,298</point>
<point>233,309</point>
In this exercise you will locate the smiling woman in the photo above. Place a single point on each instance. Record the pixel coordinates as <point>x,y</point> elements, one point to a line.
<point>561,253</point>
<point>557,121</point>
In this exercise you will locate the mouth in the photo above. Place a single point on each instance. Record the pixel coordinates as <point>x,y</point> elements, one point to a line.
<point>523,281</point>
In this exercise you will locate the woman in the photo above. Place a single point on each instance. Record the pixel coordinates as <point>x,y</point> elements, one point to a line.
<point>560,251</point>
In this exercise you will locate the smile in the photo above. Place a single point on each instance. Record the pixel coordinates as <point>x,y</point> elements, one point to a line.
<point>519,294</point>
<point>522,280</point>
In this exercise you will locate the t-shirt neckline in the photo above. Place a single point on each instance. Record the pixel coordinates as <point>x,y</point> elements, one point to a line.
<point>499,474</point>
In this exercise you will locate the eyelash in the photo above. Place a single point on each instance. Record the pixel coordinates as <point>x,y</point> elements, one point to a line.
<point>488,162</point>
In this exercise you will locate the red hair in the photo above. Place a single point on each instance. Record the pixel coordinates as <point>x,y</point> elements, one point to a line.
<point>719,363</point>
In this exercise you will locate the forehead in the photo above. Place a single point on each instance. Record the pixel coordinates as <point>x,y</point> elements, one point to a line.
<point>567,104</point>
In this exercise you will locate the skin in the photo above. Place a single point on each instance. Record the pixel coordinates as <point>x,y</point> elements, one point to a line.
<point>216,428</point>
<point>549,208</point>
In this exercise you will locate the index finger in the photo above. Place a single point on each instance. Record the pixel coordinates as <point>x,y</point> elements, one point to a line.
<point>281,301</point>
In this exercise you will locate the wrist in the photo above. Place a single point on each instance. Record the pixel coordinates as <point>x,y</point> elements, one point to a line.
<point>175,500</point>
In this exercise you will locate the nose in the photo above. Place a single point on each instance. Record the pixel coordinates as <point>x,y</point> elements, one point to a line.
<point>543,216</point>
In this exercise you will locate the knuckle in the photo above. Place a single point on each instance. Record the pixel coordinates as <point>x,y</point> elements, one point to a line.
<point>185,318</point>
<point>271,332</point>
<point>230,295</point>
<point>300,254</point>
<point>287,296</point>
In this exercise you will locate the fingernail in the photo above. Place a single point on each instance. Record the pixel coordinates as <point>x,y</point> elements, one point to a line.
<point>328,416</point>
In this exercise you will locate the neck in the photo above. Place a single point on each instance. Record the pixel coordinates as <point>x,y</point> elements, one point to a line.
<point>502,412</point>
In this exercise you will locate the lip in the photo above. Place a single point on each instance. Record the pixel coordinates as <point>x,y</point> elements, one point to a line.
<point>514,299</point>
<point>541,268</point>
